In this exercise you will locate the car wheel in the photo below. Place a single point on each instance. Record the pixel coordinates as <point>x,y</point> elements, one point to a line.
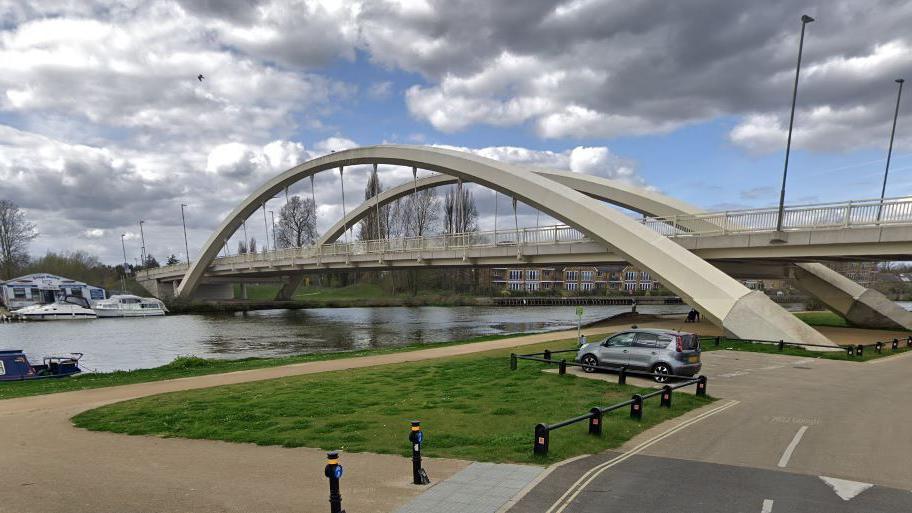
<point>661,368</point>
<point>590,362</point>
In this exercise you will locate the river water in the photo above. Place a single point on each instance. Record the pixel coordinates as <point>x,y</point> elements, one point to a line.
<point>121,344</point>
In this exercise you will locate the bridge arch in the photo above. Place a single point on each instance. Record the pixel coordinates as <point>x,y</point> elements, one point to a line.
<point>722,299</point>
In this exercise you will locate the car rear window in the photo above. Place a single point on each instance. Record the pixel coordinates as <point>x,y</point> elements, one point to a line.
<point>690,342</point>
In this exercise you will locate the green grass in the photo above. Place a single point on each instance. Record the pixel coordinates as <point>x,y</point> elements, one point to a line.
<point>736,345</point>
<point>363,294</point>
<point>471,407</point>
<point>187,366</point>
<point>823,318</point>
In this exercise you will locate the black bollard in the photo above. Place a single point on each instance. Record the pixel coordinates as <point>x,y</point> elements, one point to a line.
<point>547,354</point>
<point>909,342</point>
<point>666,396</point>
<point>781,345</point>
<point>512,361</point>
<point>859,351</point>
<point>622,376</point>
<point>701,385</point>
<point>636,407</point>
<point>595,422</point>
<point>562,367</point>
<point>895,344</point>
<point>541,440</point>
<point>878,347</point>
<point>718,340</point>
<point>334,472</point>
<point>850,350</point>
<point>416,436</point>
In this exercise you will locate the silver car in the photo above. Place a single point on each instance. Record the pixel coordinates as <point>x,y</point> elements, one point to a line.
<point>654,350</point>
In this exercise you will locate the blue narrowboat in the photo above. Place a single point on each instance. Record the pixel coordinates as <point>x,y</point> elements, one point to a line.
<point>14,366</point>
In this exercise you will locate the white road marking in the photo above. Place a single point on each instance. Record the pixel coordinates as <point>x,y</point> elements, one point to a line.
<point>767,506</point>
<point>561,504</point>
<point>787,455</point>
<point>845,489</point>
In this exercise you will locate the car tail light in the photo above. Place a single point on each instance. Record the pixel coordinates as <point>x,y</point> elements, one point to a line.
<point>679,341</point>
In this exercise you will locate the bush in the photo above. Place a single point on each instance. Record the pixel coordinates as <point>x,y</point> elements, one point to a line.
<point>188,362</point>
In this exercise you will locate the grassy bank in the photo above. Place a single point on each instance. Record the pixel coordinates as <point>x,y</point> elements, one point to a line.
<point>823,318</point>
<point>737,345</point>
<point>188,366</point>
<point>471,407</point>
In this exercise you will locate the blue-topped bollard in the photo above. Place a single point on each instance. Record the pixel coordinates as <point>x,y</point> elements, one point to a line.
<point>333,471</point>
<point>416,436</point>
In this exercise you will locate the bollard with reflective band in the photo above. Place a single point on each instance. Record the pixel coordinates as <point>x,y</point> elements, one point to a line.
<point>878,347</point>
<point>859,350</point>
<point>541,440</point>
<point>333,472</point>
<point>636,407</point>
<point>909,342</point>
<point>718,341</point>
<point>895,344</point>
<point>850,350</point>
<point>622,376</point>
<point>416,437</point>
<point>701,385</point>
<point>562,368</point>
<point>595,422</point>
<point>781,345</point>
<point>512,361</point>
<point>547,354</point>
<point>666,396</point>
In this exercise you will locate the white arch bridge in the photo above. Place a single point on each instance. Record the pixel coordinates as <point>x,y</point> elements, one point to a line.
<point>694,254</point>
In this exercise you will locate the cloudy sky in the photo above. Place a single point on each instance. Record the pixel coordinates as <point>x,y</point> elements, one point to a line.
<point>103,121</point>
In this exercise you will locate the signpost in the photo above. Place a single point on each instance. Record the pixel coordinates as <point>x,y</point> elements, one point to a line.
<point>579,324</point>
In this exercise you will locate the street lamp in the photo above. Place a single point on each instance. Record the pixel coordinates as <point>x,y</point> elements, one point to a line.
<point>805,19</point>
<point>123,277</point>
<point>186,245</point>
<point>274,245</point>
<point>143,247</point>
<point>883,189</point>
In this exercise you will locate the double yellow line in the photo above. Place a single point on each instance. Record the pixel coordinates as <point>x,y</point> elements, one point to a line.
<point>561,504</point>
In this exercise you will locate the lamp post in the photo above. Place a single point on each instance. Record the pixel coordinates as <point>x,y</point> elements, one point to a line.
<point>142,238</point>
<point>883,189</point>
<point>805,19</point>
<point>123,277</point>
<point>186,245</point>
<point>274,245</point>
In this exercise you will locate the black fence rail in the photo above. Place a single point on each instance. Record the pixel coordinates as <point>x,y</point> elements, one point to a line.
<point>856,350</point>
<point>622,371</point>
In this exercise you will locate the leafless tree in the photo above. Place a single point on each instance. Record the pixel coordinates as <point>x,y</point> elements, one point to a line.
<point>242,247</point>
<point>252,247</point>
<point>460,215</point>
<point>370,228</point>
<point>15,234</point>
<point>297,223</point>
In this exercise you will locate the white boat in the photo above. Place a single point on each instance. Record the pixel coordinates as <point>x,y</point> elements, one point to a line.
<point>68,308</point>
<point>127,305</point>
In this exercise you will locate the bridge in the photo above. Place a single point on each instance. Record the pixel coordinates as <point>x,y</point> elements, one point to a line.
<point>694,253</point>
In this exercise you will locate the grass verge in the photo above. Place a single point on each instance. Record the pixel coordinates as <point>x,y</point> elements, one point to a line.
<point>471,407</point>
<point>739,345</point>
<point>188,366</point>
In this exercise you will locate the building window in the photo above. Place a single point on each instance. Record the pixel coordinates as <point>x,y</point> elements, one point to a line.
<point>515,275</point>
<point>644,276</point>
<point>571,285</point>
<point>532,286</point>
<point>531,275</point>
<point>630,286</point>
<point>587,286</point>
<point>587,275</point>
<point>18,293</point>
<point>630,275</point>
<point>572,275</point>
<point>515,286</point>
<point>644,286</point>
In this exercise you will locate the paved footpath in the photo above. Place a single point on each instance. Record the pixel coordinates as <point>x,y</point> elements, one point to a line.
<point>790,435</point>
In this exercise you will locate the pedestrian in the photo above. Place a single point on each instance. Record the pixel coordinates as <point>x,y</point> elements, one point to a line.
<point>696,315</point>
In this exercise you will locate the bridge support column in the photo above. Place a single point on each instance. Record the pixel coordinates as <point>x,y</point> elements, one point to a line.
<point>288,289</point>
<point>755,316</point>
<point>243,291</point>
<point>861,306</point>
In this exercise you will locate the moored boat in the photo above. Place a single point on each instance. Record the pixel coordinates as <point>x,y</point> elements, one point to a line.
<point>14,366</point>
<point>128,305</point>
<point>68,308</point>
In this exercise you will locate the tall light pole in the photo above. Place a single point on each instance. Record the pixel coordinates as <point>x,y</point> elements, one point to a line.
<point>186,245</point>
<point>274,245</point>
<point>142,237</point>
<point>883,189</point>
<point>123,278</point>
<point>805,19</point>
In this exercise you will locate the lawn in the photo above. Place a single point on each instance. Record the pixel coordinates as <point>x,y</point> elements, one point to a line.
<point>823,318</point>
<point>708,344</point>
<point>471,407</point>
<point>363,294</point>
<point>187,366</point>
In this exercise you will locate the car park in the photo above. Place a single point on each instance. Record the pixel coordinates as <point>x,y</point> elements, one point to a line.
<point>658,351</point>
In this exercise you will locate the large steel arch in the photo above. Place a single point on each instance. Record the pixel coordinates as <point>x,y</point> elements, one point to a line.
<point>722,299</point>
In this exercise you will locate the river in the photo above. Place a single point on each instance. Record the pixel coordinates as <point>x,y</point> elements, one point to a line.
<point>122,344</point>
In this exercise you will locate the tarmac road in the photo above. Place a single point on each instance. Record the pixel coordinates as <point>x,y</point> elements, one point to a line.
<point>785,424</point>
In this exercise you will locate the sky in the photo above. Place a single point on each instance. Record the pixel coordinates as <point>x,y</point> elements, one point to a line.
<point>103,121</point>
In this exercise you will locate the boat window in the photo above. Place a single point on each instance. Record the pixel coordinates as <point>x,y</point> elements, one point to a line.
<point>18,292</point>
<point>2,368</point>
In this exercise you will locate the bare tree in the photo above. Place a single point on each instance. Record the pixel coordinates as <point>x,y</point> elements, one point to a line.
<point>460,215</point>
<point>15,234</point>
<point>370,228</point>
<point>297,223</point>
<point>423,213</point>
<point>242,247</point>
<point>252,247</point>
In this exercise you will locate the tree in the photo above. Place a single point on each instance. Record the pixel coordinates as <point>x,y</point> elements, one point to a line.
<point>151,262</point>
<point>15,234</point>
<point>417,215</point>
<point>252,247</point>
<point>297,223</point>
<point>173,260</point>
<point>460,215</point>
<point>242,247</point>
<point>370,228</point>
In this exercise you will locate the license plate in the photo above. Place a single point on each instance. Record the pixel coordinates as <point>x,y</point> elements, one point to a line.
<point>693,359</point>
